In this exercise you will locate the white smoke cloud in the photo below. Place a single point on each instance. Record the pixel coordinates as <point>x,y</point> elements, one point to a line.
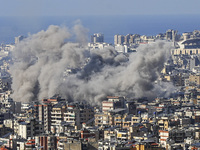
<point>42,58</point>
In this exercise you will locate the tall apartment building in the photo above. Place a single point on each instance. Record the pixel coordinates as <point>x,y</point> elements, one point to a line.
<point>124,121</point>
<point>77,114</point>
<point>115,117</point>
<point>54,111</point>
<point>43,111</point>
<point>30,128</point>
<point>97,38</point>
<point>104,119</point>
<point>18,39</point>
<point>113,103</point>
<point>43,114</point>
<point>127,39</point>
<point>57,113</point>
<point>118,39</point>
<point>164,135</point>
<point>72,115</point>
<point>171,34</point>
<point>48,142</point>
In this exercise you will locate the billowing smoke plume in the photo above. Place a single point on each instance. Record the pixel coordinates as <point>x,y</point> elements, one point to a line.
<point>49,63</point>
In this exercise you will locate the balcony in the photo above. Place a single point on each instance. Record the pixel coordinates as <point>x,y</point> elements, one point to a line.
<point>56,113</point>
<point>56,116</point>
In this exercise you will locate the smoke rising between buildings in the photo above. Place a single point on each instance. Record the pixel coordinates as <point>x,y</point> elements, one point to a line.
<point>49,63</point>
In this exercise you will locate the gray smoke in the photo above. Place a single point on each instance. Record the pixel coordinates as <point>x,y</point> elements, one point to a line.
<point>42,59</point>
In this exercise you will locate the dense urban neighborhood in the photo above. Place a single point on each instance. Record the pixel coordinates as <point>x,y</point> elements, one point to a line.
<point>117,122</point>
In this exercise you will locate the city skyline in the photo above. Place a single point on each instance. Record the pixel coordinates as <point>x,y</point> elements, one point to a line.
<point>65,85</point>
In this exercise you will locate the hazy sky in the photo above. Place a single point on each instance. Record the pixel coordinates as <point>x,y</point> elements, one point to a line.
<point>97,7</point>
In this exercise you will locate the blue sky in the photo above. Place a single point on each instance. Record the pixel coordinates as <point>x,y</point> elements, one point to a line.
<point>97,7</point>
